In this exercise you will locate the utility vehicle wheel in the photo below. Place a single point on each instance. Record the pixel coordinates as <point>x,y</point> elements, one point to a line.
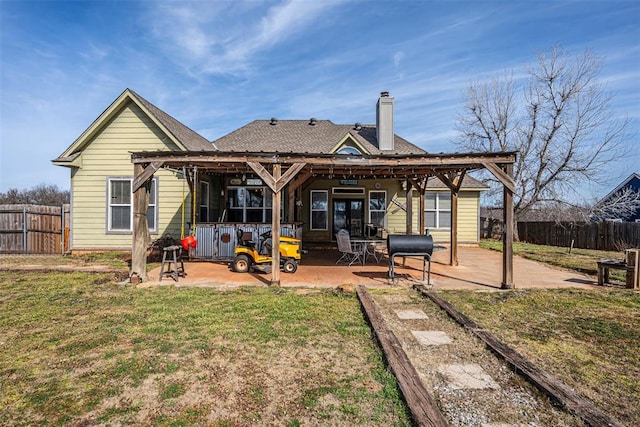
<point>241,264</point>
<point>290,266</point>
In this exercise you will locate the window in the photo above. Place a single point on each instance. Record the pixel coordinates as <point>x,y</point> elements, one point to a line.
<point>377,207</point>
<point>319,209</point>
<point>203,212</point>
<point>152,211</point>
<point>120,205</point>
<point>437,210</point>
<point>250,204</point>
<point>349,150</point>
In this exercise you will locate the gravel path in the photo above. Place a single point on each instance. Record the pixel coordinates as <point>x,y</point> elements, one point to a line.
<point>471,385</point>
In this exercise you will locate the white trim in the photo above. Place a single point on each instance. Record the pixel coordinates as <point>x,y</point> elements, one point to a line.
<point>204,195</point>
<point>325,210</point>
<point>437,210</point>
<point>348,191</point>
<point>384,215</point>
<point>109,226</point>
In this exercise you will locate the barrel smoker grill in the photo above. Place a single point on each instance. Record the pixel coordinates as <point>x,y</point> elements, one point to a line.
<point>410,245</point>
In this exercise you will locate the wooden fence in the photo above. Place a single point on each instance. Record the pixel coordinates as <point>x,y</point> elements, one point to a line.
<point>34,229</point>
<point>606,236</point>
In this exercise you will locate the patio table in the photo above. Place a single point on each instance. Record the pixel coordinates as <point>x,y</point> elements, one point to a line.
<point>366,245</point>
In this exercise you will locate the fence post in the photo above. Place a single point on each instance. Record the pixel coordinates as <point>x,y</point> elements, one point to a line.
<point>24,229</point>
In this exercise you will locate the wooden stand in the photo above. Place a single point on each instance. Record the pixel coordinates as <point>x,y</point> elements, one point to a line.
<point>630,266</point>
<point>172,258</point>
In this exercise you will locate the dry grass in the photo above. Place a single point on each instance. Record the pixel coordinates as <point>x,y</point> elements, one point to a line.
<point>77,349</point>
<point>582,260</point>
<point>587,338</point>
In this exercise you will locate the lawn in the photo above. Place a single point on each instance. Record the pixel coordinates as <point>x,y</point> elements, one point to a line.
<point>587,338</point>
<point>582,260</point>
<point>78,349</point>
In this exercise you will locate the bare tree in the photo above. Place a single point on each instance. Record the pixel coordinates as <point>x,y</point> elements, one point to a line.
<point>559,122</point>
<point>41,194</point>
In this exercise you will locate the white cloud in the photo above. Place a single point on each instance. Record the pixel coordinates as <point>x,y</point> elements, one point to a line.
<point>224,37</point>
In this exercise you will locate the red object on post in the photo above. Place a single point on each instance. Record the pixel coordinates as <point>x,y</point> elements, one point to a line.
<point>189,243</point>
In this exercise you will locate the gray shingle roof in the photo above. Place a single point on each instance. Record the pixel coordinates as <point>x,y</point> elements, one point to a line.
<point>191,140</point>
<point>298,136</point>
<point>468,183</point>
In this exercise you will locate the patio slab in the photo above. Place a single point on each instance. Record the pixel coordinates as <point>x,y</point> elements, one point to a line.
<point>479,269</point>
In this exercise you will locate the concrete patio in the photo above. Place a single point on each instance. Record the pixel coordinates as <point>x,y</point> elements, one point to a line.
<point>478,269</point>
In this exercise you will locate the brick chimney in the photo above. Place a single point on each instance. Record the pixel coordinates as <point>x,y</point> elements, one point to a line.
<point>384,122</point>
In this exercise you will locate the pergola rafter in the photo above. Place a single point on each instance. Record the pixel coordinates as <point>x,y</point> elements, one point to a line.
<point>279,169</point>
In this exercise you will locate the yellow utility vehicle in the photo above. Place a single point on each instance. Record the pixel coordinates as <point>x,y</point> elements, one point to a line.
<point>248,256</point>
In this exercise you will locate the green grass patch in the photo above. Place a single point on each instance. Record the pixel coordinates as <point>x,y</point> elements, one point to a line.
<point>76,347</point>
<point>582,260</point>
<point>587,338</point>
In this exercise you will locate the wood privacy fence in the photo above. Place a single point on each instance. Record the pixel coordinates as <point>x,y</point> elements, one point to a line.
<point>606,236</point>
<point>34,229</point>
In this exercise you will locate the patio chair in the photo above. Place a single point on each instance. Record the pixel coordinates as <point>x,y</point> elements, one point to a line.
<point>350,252</point>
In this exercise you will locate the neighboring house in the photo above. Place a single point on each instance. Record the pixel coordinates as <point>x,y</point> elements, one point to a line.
<point>101,178</point>
<point>632,183</point>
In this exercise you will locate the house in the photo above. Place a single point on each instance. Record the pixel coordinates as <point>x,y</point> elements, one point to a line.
<point>628,213</point>
<point>185,199</point>
<point>101,174</point>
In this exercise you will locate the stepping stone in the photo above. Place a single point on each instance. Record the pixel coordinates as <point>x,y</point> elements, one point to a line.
<point>504,425</point>
<point>470,376</point>
<point>432,337</point>
<point>411,314</point>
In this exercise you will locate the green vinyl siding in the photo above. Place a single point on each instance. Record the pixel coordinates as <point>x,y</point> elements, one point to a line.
<point>108,154</point>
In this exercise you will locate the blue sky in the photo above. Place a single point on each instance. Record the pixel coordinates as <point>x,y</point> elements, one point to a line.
<point>217,65</point>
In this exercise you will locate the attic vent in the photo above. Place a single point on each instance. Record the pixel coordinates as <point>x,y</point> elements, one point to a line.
<point>357,126</point>
<point>274,121</point>
<point>313,121</point>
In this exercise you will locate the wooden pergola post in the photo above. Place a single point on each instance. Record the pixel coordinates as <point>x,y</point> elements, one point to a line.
<point>504,173</point>
<point>507,240</point>
<point>453,181</point>
<point>409,204</point>
<point>275,229</point>
<point>141,237</point>
<point>453,251</point>
<point>276,181</point>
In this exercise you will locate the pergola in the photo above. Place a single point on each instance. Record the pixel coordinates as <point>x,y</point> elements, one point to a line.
<point>290,171</point>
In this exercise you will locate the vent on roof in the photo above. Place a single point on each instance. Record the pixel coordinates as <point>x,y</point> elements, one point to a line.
<point>357,126</point>
<point>274,121</point>
<point>313,121</point>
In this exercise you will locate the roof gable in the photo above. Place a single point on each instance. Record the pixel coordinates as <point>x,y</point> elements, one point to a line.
<point>185,138</point>
<point>632,181</point>
<point>349,141</point>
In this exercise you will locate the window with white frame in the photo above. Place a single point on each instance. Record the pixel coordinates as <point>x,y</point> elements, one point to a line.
<point>377,207</point>
<point>319,210</point>
<point>437,210</point>
<point>203,212</point>
<point>250,204</point>
<point>120,205</point>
